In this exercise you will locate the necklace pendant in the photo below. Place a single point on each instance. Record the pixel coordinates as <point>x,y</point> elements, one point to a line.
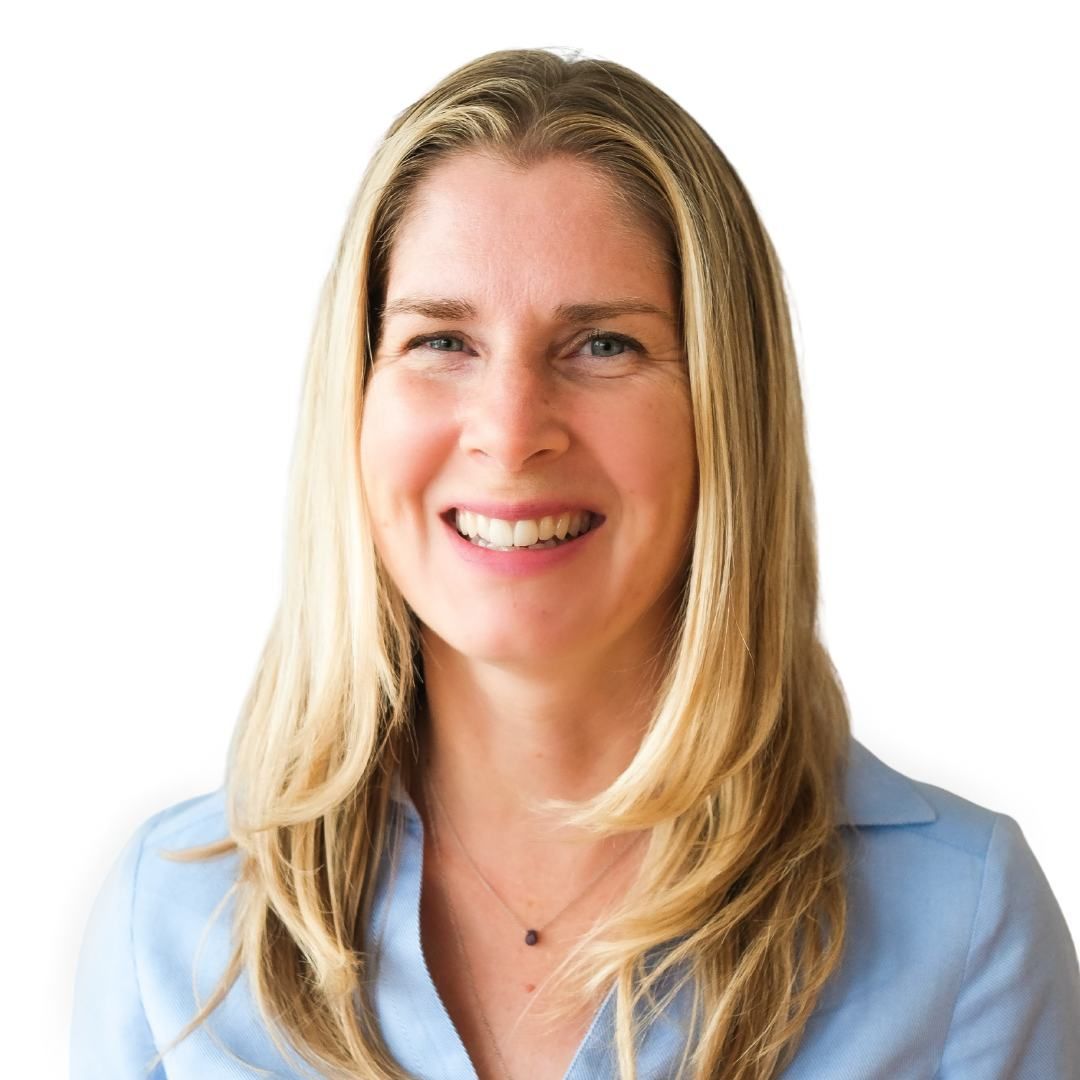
<point>531,937</point>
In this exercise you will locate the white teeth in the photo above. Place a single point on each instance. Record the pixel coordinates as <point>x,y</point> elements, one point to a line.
<point>466,523</point>
<point>527,533</point>
<point>500,533</point>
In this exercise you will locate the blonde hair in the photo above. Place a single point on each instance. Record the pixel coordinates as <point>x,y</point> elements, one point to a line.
<point>738,778</point>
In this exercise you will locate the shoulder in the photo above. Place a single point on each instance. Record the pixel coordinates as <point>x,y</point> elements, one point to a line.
<point>918,851</point>
<point>134,973</point>
<point>170,896</point>
<point>144,856</point>
<point>171,900</point>
<point>878,795</point>
<point>169,922</point>
<point>142,865</point>
<point>913,841</point>
<point>198,820</point>
<point>179,906</point>
<point>933,858</point>
<point>958,960</point>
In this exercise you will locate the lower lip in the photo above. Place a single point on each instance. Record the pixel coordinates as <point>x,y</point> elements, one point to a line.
<point>519,562</point>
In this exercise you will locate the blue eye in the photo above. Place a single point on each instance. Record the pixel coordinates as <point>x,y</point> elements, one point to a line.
<point>438,342</point>
<point>606,340</point>
<point>602,344</point>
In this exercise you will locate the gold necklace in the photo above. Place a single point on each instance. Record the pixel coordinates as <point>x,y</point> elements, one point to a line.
<point>466,966</point>
<point>532,934</point>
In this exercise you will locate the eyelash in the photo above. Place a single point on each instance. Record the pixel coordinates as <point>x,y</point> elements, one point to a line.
<point>593,335</point>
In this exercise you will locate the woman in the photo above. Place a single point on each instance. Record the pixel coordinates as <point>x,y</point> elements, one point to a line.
<point>545,771</point>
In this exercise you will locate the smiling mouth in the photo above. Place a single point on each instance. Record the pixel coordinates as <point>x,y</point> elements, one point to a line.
<point>529,534</point>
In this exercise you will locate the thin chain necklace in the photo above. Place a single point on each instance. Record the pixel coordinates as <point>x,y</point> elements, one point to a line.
<point>532,934</point>
<point>467,967</point>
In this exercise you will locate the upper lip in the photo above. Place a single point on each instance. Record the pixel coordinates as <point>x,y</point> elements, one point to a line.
<point>525,510</point>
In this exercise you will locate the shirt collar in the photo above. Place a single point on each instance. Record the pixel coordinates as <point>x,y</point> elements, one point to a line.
<point>874,793</point>
<point>877,795</point>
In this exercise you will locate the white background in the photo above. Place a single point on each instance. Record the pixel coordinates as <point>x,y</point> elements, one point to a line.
<point>176,178</point>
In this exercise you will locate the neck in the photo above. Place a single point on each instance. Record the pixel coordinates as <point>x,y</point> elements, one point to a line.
<point>496,741</point>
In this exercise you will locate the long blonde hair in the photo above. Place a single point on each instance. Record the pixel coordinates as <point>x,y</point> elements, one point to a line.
<point>738,777</point>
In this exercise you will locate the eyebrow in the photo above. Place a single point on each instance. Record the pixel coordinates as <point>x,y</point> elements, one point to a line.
<point>454,308</point>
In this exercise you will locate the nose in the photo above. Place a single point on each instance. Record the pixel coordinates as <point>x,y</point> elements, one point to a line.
<point>512,416</point>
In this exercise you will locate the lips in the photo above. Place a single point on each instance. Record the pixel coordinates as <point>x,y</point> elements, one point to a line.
<point>520,510</point>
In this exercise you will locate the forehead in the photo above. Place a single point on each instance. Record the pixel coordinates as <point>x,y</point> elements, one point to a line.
<point>559,225</point>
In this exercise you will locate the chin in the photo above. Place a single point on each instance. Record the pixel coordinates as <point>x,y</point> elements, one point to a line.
<point>529,647</point>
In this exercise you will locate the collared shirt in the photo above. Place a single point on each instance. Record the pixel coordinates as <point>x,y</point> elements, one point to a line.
<point>958,963</point>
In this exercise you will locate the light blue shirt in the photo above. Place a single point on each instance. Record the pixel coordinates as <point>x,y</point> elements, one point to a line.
<point>958,965</point>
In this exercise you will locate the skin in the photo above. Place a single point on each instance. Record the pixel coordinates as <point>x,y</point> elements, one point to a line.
<point>539,684</point>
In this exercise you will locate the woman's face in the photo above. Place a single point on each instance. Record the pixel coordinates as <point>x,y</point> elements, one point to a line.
<point>529,382</point>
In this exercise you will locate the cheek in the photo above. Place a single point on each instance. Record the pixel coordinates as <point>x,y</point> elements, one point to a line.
<point>651,452</point>
<point>406,433</point>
